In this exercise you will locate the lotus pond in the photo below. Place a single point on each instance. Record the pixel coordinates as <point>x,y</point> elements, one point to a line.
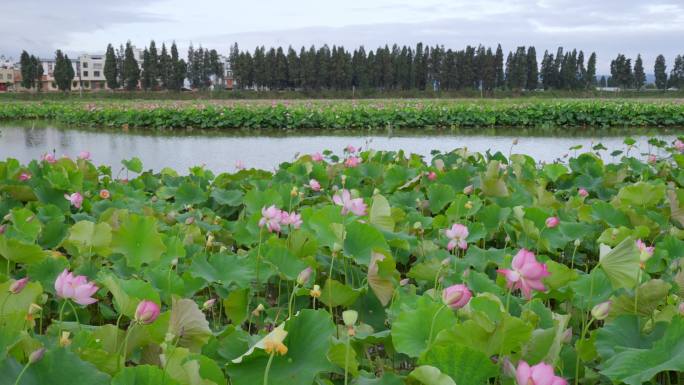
<point>348,267</point>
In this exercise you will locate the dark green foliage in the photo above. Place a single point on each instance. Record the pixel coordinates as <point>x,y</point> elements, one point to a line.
<point>63,72</point>
<point>111,71</point>
<point>660,75</point>
<point>130,71</point>
<point>621,71</point>
<point>639,75</point>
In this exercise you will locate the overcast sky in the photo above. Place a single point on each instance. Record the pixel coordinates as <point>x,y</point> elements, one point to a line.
<point>605,26</point>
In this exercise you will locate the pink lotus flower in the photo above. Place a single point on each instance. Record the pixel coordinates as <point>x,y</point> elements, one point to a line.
<point>85,155</point>
<point>350,149</point>
<point>304,276</point>
<point>293,219</point>
<point>432,175</point>
<point>352,161</point>
<point>467,190</point>
<point>315,185</point>
<point>17,286</point>
<point>582,192</point>
<point>104,194</point>
<point>317,157</point>
<point>527,273</point>
<point>24,176</point>
<point>652,159</point>
<point>552,222</point>
<point>239,165</point>
<point>457,235</point>
<point>646,251</point>
<point>49,157</point>
<point>146,312</point>
<point>602,310</point>
<point>76,199</point>
<point>271,217</point>
<point>208,304</point>
<point>348,204</point>
<point>456,296</point>
<point>679,145</point>
<point>540,374</point>
<point>76,288</point>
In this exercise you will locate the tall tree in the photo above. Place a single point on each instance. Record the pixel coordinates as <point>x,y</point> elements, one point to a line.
<point>131,70</point>
<point>591,70</point>
<point>621,71</point>
<point>639,75</point>
<point>165,69</point>
<point>677,73</point>
<point>179,69</point>
<point>499,67</point>
<point>63,72</point>
<point>532,69</point>
<point>659,70</point>
<point>38,72</point>
<point>146,81</point>
<point>110,68</point>
<point>27,70</point>
<point>153,67</point>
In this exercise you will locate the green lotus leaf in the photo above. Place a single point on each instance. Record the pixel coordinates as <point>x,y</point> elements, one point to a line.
<point>429,375</point>
<point>411,329</point>
<point>636,366</point>
<point>621,264</point>
<point>308,341</point>
<point>189,325</point>
<point>138,240</point>
<point>142,375</point>
<point>463,365</point>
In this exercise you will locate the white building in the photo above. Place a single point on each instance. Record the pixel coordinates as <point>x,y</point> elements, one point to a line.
<point>92,72</point>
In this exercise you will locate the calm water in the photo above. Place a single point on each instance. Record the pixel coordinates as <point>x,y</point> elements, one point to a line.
<point>220,151</point>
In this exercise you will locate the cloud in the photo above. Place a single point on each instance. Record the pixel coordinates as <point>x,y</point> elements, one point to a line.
<point>607,26</point>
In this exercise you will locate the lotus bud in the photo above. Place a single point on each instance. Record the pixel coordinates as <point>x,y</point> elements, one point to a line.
<point>446,261</point>
<point>404,282</point>
<point>34,309</point>
<point>8,217</point>
<point>552,222</point>
<point>294,192</point>
<point>681,308</point>
<point>17,286</point>
<point>508,368</point>
<point>189,220</point>
<point>456,296</point>
<point>349,317</point>
<point>468,205</point>
<point>64,340</point>
<point>577,242</point>
<point>208,304</point>
<point>515,141</point>
<point>2,229</point>
<point>432,175</point>
<point>36,355</point>
<point>567,336</point>
<point>601,311</point>
<point>146,312</point>
<point>174,262</point>
<point>315,292</point>
<point>304,276</point>
<point>257,312</point>
<point>467,190</point>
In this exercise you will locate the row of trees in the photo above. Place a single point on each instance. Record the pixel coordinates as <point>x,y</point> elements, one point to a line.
<point>31,71</point>
<point>397,68</point>
<point>155,71</point>
<point>407,68</point>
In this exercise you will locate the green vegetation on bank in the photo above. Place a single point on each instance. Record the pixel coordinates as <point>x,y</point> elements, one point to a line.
<point>366,267</point>
<point>351,115</point>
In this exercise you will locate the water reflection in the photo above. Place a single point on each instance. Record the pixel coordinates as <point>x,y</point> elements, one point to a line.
<point>220,150</point>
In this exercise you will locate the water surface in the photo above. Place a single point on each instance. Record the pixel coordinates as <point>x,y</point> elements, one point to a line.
<point>219,151</point>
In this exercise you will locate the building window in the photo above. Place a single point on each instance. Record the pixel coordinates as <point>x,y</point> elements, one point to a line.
<point>85,73</point>
<point>85,65</point>
<point>96,74</point>
<point>97,66</point>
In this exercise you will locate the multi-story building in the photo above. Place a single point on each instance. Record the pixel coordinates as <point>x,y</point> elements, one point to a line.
<point>48,79</point>
<point>92,72</point>
<point>6,79</point>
